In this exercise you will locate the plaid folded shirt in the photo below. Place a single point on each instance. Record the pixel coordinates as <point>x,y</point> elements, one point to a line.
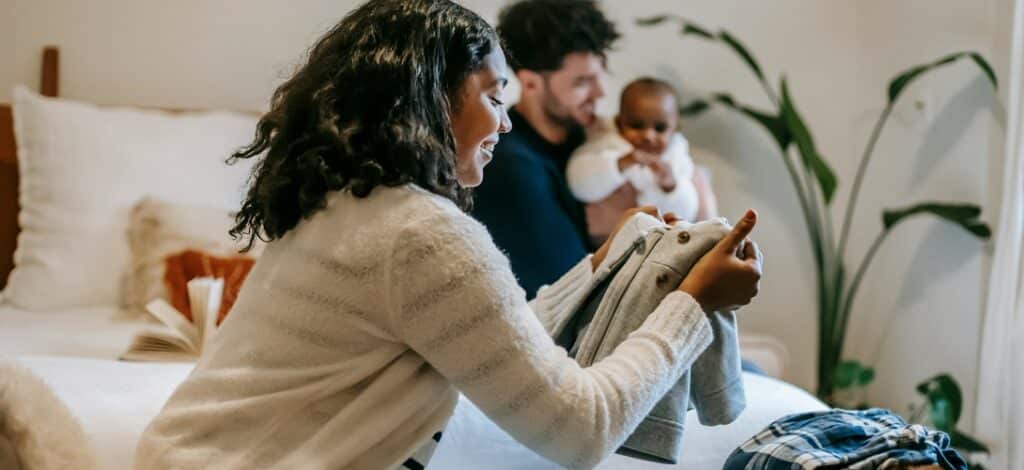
<point>858,440</point>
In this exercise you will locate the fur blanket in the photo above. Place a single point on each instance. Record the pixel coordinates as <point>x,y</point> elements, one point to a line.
<point>37,431</point>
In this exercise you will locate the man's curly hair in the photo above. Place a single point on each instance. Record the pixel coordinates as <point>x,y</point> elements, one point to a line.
<point>538,34</point>
<point>370,107</point>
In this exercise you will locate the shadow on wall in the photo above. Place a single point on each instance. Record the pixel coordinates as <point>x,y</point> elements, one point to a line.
<point>950,125</point>
<point>741,146</point>
<point>938,255</point>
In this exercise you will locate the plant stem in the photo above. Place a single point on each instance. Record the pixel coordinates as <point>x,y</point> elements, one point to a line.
<point>841,307</point>
<point>812,203</point>
<point>855,190</point>
<point>771,93</point>
<point>839,335</point>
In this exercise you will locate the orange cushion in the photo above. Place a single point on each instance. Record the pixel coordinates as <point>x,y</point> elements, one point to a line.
<point>190,264</point>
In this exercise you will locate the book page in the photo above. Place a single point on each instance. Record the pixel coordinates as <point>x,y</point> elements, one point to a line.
<point>175,321</point>
<point>159,345</point>
<point>205,295</point>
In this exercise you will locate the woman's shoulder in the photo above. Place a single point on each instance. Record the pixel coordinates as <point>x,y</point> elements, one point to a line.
<point>420,222</point>
<point>416,203</point>
<point>407,207</point>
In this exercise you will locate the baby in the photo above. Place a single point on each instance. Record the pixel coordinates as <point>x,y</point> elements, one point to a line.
<point>643,148</point>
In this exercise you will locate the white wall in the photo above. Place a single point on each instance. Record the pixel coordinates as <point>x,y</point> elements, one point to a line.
<point>920,306</point>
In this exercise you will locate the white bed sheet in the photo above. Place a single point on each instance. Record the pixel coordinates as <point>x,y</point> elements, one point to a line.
<point>87,332</point>
<point>114,401</point>
<point>471,440</point>
<point>75,353</point>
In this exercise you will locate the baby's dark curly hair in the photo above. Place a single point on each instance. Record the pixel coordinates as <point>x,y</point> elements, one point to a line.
<point>538,34</point>
<point>371,106</point>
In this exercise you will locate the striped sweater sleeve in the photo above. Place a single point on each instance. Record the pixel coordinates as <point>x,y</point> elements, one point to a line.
<point>455,301</point>
<point>555,303</point>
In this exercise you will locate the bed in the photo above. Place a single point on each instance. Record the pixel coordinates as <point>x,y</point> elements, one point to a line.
<point>73,349</point>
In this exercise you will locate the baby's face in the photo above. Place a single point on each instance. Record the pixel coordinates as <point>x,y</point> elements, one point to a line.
<point>647,120</point>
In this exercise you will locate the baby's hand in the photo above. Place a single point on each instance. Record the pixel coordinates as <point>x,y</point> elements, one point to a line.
<point>663,175</point>
<point>637,157</point>
<point>646,158</point>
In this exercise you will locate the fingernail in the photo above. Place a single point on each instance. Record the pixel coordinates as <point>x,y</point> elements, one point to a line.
<point>750,215</point>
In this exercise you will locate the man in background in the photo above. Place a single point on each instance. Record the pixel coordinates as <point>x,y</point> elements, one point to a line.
<point>558,51</point>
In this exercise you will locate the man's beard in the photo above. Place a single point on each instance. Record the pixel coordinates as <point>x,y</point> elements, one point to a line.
<point>555,112</point>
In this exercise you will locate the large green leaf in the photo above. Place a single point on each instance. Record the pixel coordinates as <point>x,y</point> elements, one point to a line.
<point>850,373</point>
<point>964,215</point>
<point>962,441</point>
<point>692,29</point>
<point>805,144</point>
<point>652,20</point>
<point>773,124</point>
<point>985,67</point>
<point>846,374</point>
<point>944,401</point>
<point>867,375</point>
<point>740,49</point>
<point>898,84</point>
<point>693,108</point>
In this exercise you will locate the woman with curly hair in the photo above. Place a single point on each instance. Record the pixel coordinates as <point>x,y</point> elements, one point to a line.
<point>378,298</point>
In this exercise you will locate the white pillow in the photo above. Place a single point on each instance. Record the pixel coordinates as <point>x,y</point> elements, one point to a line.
<point>83,167</point>
<point>159,229</point>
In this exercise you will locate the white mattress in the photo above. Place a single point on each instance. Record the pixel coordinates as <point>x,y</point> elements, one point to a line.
<point>471,440</point>
<point>114,401</point>
<point>87,332</point>
<point>75,353</point>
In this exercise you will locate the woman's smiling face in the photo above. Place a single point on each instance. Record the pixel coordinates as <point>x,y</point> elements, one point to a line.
<point>479,118</point>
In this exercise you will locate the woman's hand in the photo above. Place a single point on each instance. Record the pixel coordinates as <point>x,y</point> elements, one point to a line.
<point>602,252</point>
<point>729,274</point>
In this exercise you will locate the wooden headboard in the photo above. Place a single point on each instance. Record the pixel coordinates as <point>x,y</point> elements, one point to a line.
<point>48,86</point>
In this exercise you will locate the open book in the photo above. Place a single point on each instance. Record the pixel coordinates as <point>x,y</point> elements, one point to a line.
<point>179,339</point>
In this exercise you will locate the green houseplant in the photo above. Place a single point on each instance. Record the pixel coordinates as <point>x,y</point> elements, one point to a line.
<point>815,185</point>
<point>942,405</point>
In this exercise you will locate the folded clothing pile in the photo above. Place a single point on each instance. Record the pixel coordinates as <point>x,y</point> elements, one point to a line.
<point>857,440</point>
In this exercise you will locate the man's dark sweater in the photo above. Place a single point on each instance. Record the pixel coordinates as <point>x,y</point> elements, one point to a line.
<point>525,203</point>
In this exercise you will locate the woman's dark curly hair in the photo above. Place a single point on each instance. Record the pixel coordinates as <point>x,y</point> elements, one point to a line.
<point>371,106</point>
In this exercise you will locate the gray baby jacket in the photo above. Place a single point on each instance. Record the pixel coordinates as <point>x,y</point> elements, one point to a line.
<point>652,266</point>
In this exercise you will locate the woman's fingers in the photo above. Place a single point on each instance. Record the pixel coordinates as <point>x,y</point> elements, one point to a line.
<point>752,252</point>
<point>649,210</point>
<point>734,239</point>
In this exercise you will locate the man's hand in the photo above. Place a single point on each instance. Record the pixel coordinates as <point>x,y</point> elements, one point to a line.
<point>604,215</point>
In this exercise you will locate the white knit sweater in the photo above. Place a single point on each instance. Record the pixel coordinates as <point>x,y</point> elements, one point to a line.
<point>354,332</point>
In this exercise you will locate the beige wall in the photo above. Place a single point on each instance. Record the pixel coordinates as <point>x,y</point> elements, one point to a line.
<point>921,304</point>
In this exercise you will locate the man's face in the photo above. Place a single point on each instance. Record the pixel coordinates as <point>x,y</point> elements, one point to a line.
<point>571,92</point>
